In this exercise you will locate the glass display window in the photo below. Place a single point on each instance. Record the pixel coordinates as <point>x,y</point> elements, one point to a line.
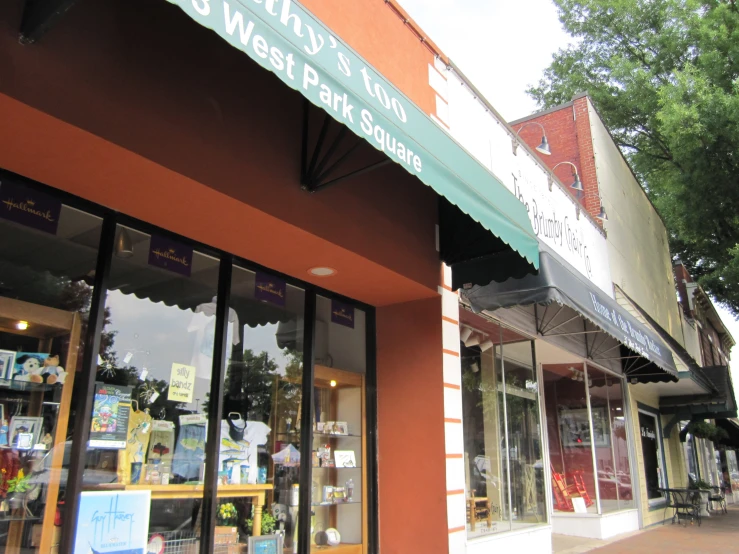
<point>148,426</point>
<point>48,253</point>
<point>107,442</point>
<point>260,450</point>
<point>569,435</point>
<point>504,468</point>
<point>611,447</point>
<point>338,469</point>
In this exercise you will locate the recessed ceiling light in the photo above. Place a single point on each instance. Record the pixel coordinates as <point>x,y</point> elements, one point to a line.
<point>21,325</point>
<point>322,271</point>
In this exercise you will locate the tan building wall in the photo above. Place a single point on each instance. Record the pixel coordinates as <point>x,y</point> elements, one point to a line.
<point>637,239</point>
<point>677,475</point>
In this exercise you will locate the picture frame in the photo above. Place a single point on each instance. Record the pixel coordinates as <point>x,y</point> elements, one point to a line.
<point>29,366</point>
<point>20,425</point>
<point>575,427</point>
<point>345,458</point>
<point>265,544</point>
<point>341,428</point>
<point>7,364</point>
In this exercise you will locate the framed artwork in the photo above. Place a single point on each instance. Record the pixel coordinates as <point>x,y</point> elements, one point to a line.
<point>24,432</point>
<point>575,427</point>
<point>7,363</point>
<point>266,544</point>
<point>341,428</point>
<point>29,366</point>
<point>345,458</point>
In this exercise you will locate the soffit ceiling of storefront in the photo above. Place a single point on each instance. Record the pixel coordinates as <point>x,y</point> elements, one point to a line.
<point>29,257</point>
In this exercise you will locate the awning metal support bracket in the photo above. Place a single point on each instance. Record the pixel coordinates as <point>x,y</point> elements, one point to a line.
<point>667,429</point>
<point>314,173</point>
<point>39,16</point>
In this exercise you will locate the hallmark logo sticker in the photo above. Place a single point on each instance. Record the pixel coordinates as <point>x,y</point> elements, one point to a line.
<point>29,207</point>
<point>269,288</point>
<point>170,255</point>
<point>343,314</point>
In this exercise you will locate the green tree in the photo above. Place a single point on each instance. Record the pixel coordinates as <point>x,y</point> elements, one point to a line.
<point>664,76</point>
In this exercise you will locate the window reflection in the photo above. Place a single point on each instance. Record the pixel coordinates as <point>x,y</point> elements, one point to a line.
<point>503,456</point>
<point>260,448</point>
<point>46,267</point>
<point>568,430</point>
<point>148,424</point>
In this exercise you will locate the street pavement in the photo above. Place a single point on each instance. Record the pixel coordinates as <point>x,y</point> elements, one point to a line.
<point>717,534</point>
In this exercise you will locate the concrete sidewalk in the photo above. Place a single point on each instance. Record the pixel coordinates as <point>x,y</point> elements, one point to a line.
<point>718,533</point>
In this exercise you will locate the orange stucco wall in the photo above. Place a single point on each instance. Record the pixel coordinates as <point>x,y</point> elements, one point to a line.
<point>374,30</point>
<point>224,137</point>
<point>412,466</point>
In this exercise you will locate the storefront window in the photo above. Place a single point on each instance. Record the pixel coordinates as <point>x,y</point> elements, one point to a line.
<point>691,457</point>
<point>148,425</point>
<point>733,470</point>
<point>338,470</point>
<point>570,445</point>
<point>651,443</point>
<point>259,461</point>
<point>48,252</point>
<point>609,430</point>
<point>502,436</point>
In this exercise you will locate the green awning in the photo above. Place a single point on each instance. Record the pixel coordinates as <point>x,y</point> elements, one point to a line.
<point>288,40</point>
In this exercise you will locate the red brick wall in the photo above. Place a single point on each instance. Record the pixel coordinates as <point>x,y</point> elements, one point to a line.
<point>570,140</point>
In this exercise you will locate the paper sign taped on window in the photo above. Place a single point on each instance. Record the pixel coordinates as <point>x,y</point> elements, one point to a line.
<point>181,383</point>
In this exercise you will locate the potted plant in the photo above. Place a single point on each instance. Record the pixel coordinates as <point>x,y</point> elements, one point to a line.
<point>18,486</point>
<point>268,524</point>
<point>227,517</point>
<point>704,490</point>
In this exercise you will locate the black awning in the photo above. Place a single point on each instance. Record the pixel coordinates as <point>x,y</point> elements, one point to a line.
<point>732,430</point>
<point>557,282</point>
<point>721,404</point>
<point>473,253</point>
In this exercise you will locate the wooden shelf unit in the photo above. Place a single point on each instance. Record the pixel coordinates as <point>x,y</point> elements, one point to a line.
<point>44,324</point>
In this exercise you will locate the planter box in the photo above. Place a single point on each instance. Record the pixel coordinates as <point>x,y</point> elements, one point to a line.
<point>226,535</point>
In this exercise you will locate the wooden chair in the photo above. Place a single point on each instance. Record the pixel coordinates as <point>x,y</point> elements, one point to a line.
<point>579,484</point>
<point>478,509</point>
<point>562,493</point>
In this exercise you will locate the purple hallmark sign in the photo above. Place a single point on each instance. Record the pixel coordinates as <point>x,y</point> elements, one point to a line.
<point>29,207</point>
<point>343,314</point>
<point>171,255</point>
<point>270,288</point>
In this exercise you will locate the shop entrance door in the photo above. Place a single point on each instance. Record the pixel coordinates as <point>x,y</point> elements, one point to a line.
<point>652,452</point>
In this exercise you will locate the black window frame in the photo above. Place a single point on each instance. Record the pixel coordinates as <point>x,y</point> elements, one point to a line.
<point>80,431</point>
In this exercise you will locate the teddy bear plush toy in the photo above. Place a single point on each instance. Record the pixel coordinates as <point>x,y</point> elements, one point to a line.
<point>53,372</point>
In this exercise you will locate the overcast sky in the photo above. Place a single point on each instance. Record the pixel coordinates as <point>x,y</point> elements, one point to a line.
<point>503,47</point>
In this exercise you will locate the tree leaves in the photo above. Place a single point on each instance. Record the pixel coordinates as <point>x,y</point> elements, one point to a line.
<point>665,78</point>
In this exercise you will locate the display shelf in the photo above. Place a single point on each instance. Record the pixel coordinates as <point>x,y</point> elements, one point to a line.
<point>27,386</point>
<point>332,504</point>
<point>353,467</point>
<point>322,435</point>
<point>338,549</point>
<point>10,519</point>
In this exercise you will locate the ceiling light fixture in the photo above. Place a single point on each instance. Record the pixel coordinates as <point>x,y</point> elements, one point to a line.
<point>322,271</point>
<point>474,340</point>
<point>332,383</point>
<point>123,244</point>
<point>464,334</point>
<point>486,345</point>
<point>21,325</point>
